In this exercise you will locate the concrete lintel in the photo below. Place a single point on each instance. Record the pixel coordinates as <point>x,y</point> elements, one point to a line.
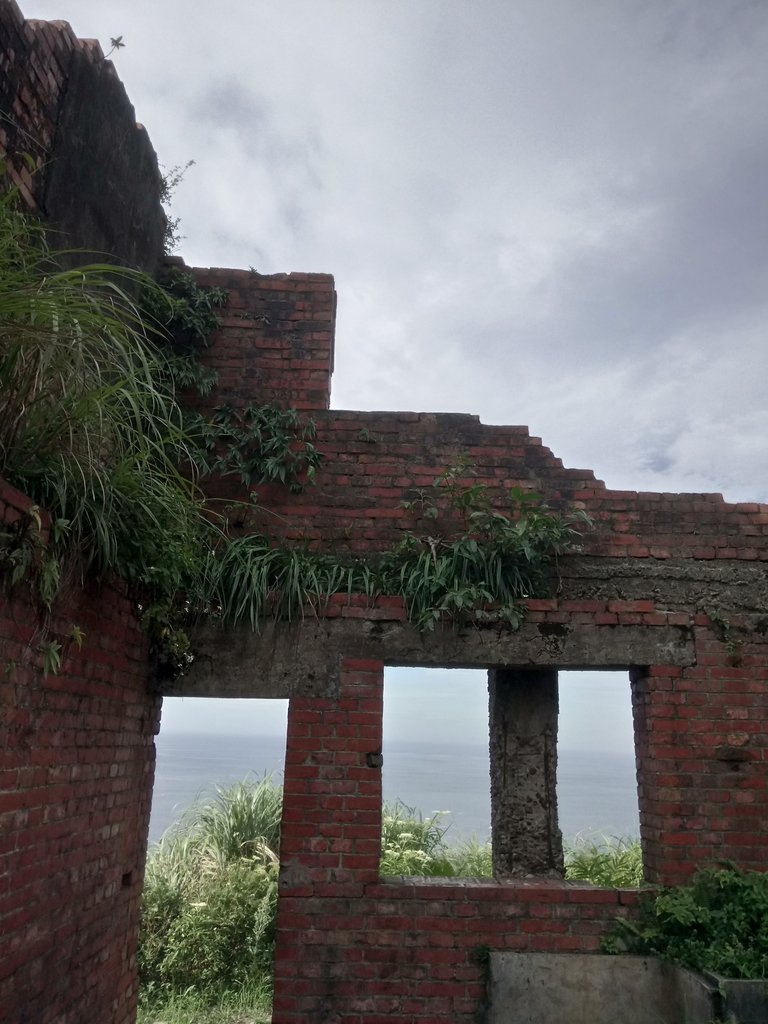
<point>303,658</point>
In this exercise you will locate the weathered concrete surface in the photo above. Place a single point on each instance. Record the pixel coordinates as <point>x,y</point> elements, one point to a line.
<point>575,988</point>
<point>303,658</point>
<point>746,1001</point>
<point>740,587</point>
<point>523,708</point>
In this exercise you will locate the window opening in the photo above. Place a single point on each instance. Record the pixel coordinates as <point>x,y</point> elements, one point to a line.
<point>596,776</point>
<point>435,747</point>
<point>208,742</point>
<point>437,765</point>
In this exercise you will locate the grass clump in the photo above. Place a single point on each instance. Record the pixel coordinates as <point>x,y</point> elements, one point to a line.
<point>412,844</point>
<point>609,863</point>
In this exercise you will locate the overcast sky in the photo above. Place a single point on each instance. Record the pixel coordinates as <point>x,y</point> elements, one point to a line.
<point>549,212</point>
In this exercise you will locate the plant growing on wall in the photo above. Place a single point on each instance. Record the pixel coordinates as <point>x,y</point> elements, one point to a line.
<point>92,430</point>
<point>472,560</point>
<point>718,923</point>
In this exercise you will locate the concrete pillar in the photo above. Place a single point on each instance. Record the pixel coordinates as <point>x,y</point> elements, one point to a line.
<point>523,709</point>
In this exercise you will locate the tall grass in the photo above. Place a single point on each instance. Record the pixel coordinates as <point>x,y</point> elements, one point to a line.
<point>209,905</point>
<point>89,424</point>
<point>607,862</point>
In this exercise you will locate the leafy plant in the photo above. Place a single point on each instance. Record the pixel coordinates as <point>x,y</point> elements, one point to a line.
<point>725,633</point>
<point>259,444</point>
<point>483,563</point>
<point>51,652</point>
<point>183,311</point>
<point>169,182</point>
<point>718,923</point>
<point>115,43</point>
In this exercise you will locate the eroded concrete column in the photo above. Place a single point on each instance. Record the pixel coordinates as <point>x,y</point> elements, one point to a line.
<point>523,744</point>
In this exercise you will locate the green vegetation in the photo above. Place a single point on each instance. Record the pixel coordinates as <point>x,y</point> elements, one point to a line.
<point>609,863</point>
<point>88,426</point>
<point>470,561</point>
<point>246,1005</point>
<point>718,923</point>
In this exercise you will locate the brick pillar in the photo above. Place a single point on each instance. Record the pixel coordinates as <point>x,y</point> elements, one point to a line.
<point>523,706</point>
<point>331,834</point>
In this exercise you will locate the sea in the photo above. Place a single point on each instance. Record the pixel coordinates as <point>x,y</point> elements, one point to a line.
<point>597,791</point>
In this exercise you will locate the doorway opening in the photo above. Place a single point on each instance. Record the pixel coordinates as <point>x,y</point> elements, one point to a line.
<point>207,744</point>
<point>209,899</point>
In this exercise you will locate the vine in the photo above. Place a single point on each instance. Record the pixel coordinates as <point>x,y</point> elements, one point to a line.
<point>725,634</point>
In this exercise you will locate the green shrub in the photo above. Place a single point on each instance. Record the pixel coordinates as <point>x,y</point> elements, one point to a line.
<point>719,923</point>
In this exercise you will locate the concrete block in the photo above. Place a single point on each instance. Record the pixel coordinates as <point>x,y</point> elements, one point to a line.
<point>551,988</point>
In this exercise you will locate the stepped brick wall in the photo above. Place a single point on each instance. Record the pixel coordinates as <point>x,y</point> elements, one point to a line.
<point>670,587</point>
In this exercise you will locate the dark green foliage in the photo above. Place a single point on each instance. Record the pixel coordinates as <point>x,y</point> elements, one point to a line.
<point>259,444</point>
<point>184,311</point>
<point>718,923</point>
<point>210,895</point>
<point>216,934</point>
<point>481,563</point>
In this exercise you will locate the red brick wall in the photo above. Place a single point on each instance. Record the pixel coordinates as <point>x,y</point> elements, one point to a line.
<point>276,341</point>
<point>76,773</point>
<point>354,948</point>
<point>361,950</point>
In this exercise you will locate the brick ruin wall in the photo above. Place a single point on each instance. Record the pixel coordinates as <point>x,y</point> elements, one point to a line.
<point>650,591</point>
<point>78,749</point>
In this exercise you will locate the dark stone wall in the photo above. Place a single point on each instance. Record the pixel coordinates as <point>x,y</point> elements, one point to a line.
<point>72,147</point>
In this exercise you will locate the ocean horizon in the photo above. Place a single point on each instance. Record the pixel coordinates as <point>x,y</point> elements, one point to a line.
<point>597,791</point>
